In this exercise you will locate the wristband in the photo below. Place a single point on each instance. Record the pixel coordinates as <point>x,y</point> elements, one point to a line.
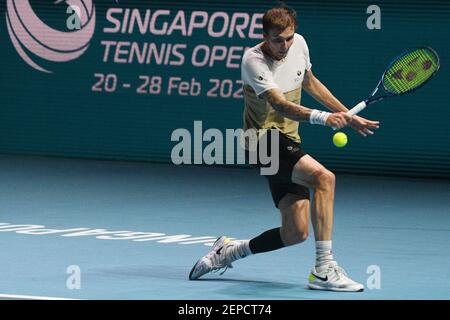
<point>319,117</point>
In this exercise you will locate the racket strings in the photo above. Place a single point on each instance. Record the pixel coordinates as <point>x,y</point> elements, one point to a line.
<point>410,71</point>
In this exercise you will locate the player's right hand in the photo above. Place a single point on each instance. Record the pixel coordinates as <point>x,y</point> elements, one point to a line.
<point>338,120</point>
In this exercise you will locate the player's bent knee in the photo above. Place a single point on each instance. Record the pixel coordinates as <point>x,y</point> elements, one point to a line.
<point>324,179</point>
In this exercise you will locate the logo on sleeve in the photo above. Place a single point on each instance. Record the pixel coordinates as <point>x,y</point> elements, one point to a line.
<point>261,76</point>
<point>298,78</point>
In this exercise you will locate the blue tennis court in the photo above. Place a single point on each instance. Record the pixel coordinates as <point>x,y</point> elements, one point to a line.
<point>163,216</point>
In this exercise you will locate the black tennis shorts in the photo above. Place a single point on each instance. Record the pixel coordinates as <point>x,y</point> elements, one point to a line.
<point>280,183</point>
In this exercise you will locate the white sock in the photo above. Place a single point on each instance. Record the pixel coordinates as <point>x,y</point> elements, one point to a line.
<point>238,249</point>
<point>324,253</point>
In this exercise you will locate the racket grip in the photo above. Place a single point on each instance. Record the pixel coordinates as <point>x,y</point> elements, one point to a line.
<point>357,109</point>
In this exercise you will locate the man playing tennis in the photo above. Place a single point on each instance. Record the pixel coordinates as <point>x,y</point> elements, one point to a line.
<point>273,73</point>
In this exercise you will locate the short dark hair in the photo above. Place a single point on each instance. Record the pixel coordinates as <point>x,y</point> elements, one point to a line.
<point>279,18</point>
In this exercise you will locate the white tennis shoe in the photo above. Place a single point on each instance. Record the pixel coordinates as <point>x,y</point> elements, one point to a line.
<point>215,260</point>
<point>333,278</point>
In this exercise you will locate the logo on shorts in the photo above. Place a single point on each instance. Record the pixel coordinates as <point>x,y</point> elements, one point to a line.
<point>290,148</point>
<point>299,73</point>
<point>32,38</point>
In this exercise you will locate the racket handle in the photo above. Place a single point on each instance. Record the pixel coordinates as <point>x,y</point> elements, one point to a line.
<point>357,109</point>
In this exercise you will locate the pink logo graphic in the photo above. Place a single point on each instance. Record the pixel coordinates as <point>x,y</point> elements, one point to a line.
<point>31,36</point>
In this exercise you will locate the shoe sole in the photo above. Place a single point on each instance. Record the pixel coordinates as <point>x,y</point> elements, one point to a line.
<point>317,287</point>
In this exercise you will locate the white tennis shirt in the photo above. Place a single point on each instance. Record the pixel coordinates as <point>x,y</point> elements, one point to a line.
<point>260,73</point>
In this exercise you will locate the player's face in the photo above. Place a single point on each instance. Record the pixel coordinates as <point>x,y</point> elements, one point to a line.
<point>278,43</point>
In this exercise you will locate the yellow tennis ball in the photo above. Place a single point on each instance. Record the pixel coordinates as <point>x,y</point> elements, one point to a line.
<point>340,139</point>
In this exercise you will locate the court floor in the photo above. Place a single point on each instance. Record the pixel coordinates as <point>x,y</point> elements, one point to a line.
<point>88,229</point>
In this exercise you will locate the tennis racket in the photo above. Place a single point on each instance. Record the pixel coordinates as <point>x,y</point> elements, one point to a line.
<point>406,73</point>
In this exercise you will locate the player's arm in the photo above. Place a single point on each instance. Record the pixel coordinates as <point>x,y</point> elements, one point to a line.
<point>300,113</point>
<point>320,92</point>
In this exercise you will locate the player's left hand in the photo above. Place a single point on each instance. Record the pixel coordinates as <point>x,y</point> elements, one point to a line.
<point>363,126</point>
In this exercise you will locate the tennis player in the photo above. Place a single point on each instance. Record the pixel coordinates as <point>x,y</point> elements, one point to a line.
<point>274,73</point>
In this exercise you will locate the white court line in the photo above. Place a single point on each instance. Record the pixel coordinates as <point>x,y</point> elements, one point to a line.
<point>15,296</point>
